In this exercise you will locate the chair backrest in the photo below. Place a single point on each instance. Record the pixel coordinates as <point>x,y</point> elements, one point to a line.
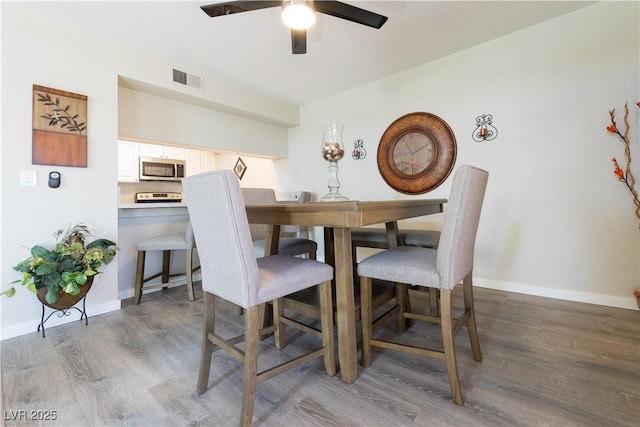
<point>221,229</point>
<point>461,218</point>
<point>259,196</point>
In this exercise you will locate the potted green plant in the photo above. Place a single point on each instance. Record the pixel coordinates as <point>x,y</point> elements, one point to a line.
<point>66,270</point>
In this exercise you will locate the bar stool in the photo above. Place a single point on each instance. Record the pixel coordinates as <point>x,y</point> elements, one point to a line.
<point>443,268</point>
<point>232,272</point>
<point>166,244</point>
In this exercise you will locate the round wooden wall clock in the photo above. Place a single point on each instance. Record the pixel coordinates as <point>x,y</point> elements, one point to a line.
<point>416,153</point>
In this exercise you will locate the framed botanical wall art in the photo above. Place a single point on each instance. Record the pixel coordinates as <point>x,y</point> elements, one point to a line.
<point>59,128</point>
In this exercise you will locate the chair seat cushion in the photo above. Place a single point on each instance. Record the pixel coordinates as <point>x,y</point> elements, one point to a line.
<point>287,246</point>
<point>161,243</point>
<point>405,264</point>
<point>281,275</point>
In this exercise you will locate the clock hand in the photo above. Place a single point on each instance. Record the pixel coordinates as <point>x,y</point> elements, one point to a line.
<point>421,148</point>
<point>408,147</point>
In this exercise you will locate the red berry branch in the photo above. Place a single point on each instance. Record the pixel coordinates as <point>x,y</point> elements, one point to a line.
<point>625,176</point>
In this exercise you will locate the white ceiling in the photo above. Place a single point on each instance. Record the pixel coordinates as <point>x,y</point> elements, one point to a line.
<point>254,48</point>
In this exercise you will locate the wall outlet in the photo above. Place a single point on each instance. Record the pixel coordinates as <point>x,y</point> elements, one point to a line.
<point>28,178</point>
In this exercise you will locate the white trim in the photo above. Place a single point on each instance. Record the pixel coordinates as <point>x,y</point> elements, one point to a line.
<point>563,294</point>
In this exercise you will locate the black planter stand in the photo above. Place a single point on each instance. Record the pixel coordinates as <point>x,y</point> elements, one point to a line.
<point>62,312</point>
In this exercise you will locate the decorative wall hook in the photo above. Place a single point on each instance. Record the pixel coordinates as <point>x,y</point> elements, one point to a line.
<point>484,131</point>
<point>358,150</point>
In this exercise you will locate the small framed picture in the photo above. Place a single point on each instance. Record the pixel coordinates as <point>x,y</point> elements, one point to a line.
<point>240,168</point>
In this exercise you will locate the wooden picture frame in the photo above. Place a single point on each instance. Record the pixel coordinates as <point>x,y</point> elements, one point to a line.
<point>240,168</point>
<point>59,128</point>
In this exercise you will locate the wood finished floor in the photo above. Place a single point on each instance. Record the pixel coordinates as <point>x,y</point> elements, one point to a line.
<point>546,363</point>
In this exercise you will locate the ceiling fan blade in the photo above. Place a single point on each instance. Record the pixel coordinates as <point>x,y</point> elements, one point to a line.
<point>350,13</point>
<point>298,41</point>
<point>227,8</point>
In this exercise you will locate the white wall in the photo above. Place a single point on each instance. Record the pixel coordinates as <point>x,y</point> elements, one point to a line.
<point>32,214</point>
<point>555,220</point>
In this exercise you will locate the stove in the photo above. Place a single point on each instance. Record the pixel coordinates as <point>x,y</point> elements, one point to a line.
<point>166,197</point>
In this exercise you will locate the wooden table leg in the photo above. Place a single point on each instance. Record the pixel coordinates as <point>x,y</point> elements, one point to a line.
<point>345,310</point>
<point>329,249</point>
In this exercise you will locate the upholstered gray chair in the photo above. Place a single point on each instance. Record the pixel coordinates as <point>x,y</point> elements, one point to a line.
<point>166,243</point>
<point>287,245</point>
<point>231,271</point>
<point>441,268</point>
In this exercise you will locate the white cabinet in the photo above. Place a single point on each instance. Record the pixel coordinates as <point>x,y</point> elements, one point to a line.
<point>161,151</point>
<point>192,159</point>
<point>173,153</point>
<point>198,161</point>
<point>207,161</point>
<point>127,161</point>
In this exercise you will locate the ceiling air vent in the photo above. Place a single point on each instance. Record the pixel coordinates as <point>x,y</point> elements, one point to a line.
<point>186,79</point>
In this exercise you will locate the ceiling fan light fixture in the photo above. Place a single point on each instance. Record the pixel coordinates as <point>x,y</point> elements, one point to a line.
<point>298,14</point>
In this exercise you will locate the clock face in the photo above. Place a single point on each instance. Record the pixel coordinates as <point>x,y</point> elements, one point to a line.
<point>413,153</point>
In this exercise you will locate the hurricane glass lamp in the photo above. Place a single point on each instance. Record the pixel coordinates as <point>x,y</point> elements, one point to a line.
<point>332,151</point>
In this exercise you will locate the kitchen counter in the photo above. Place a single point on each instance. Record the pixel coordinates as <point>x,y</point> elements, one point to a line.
<point>133,210</point>
<point>151,205</point>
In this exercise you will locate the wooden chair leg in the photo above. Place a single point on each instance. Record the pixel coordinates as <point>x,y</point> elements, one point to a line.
<point>467,285</point>
<point>189,272</point>
<point>266,317</point>
<point>208,325</point>
<point>279,335</point>
<point>433,302</point>
<point>166,264</point>
<point>354,261</point>
<point>326,320</point>
<point>406,307</point>
<point>365,320</point>
<point>251,325</point>
<point>402,297</point>
<point>448,344</point>
<point>139,277</point>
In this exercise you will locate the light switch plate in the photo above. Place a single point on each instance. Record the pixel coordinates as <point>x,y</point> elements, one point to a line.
<point>28,178</point>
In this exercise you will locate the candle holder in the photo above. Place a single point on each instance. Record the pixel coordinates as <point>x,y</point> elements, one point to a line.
<point>332,151</point>
<point>484,131</point>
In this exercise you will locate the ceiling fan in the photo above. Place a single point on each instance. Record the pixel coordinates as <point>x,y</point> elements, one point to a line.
<point>299,15</point>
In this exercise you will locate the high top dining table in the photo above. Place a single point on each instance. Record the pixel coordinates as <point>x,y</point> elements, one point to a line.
<point>338,218</point>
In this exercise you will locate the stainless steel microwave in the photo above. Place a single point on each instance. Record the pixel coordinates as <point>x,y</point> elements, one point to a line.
<point>152,169</point>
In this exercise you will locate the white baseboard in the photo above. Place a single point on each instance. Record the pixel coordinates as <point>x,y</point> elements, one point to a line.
<point>563,294</point>
<point>32,326</point>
